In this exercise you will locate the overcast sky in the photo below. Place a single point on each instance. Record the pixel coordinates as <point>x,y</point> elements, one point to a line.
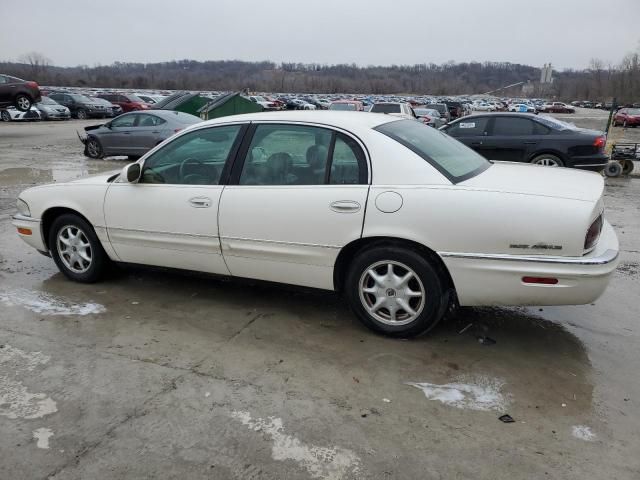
<point>567,33</point>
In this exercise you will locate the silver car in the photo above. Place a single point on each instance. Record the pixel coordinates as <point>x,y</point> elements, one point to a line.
<point>135,133</point>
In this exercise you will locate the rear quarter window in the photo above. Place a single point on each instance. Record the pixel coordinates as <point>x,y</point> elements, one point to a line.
<point>450,157</point>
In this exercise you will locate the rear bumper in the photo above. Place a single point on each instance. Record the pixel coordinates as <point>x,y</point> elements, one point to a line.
<point>496,279</point>
<point>589,162</point>
<point>33,225</point>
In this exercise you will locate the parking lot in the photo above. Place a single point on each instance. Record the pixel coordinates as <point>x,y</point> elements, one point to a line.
<point>158,374</point>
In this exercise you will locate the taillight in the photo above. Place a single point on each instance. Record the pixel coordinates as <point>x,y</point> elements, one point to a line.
<point>593,234</point>
<point>426,119</point>
<point>32,84</point>
<point>600,142</point>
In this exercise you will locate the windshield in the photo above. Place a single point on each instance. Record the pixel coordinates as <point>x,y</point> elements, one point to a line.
<point>343,106</point>
<point>80,98</point>
<point>453,159</point>
<point>134,98</point>
<point>386,108</point>
<point>48,101</point>
<point>555,123</point>
<point>633,111</point>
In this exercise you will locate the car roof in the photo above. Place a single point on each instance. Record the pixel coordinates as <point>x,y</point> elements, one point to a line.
<point>347,120</point>
<point>498,114</point>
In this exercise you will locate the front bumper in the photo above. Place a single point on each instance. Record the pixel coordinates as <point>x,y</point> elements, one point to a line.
<point>33,225</point>
<point>496,279</point>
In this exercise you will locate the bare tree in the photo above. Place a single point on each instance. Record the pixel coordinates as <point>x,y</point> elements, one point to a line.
<point>38,62</point>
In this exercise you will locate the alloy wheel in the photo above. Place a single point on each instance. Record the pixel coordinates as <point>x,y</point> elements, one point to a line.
<point>74,249</point>
<point>93,149</point>
<point>391,292</point>
<point>23,103</point>
<point>5,116</point>
<point>547,162</point>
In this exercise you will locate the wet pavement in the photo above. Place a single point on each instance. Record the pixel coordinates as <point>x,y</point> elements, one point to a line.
<point>155,374</point>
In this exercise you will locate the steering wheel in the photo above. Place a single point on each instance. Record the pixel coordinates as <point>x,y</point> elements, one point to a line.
<point>184,165</point>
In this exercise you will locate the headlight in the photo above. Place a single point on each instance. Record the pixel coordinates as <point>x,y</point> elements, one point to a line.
<point>23,208</point>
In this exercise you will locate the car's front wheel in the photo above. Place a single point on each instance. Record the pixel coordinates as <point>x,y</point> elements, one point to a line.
<point>395,291</point>
<point>94,148</point>
<point>5,116</point>
<point>76,249</point>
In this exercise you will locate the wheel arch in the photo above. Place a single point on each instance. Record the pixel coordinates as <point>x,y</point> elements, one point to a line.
<point>49,216</point>
<point>550,151</point>
<point>351,250</point>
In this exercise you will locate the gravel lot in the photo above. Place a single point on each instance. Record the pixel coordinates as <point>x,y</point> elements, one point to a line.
<point>157,374</point>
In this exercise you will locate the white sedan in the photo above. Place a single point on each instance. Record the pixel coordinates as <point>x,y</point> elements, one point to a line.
<point>12,114</point>
<point>399,217</point>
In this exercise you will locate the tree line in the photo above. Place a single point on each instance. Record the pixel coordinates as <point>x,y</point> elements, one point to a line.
<point>599,82</point>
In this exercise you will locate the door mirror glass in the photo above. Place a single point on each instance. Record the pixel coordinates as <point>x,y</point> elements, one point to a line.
<point>131,173</point>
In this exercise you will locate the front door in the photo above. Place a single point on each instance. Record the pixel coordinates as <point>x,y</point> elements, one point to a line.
<point>119,138</point>
<point>170,218</point>
<point>295,198</point>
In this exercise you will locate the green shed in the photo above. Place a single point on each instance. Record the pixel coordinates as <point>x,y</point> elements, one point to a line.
<point>228,104</point>
<point>186,102</point>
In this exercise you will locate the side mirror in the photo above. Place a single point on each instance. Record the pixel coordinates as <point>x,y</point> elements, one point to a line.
<point>108,125</point>
<point>131,173</point>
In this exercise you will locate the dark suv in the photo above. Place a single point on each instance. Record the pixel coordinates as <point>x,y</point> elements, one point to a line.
<point>19,93</point>
<point>538,139</point>
<point>81,106</point>
<point>127,101</point>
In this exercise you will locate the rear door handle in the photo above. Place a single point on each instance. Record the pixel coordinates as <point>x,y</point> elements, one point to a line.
<point>200,202</point>
<point>345,206</point>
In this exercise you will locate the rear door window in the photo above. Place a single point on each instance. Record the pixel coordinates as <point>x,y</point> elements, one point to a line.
<point>512,126</point>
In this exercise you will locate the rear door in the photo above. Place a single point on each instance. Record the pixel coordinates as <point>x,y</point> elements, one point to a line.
<point>297,196</point>
<point>510,139</point>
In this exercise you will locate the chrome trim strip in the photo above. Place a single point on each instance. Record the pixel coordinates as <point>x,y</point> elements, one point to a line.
<point>159,232</point>
<point>607,257</point>
<point>279,242</point>
<point>22,218</point>
<point>592,165</point>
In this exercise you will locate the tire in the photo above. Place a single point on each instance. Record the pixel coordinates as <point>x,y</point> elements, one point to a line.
<point>627,167</point>
<point>23,102</point>
<point>93,148</point>
<point>613,169</point>
<point>5,116</point>
<point>428,309</point>
<point>81,114</point>
<point>547,160</point>
<point>80,237</point>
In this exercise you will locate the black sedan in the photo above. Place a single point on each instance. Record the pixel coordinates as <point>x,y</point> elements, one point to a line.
<point>522,137</point>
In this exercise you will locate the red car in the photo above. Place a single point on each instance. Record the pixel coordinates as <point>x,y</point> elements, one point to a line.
<point>19,93</point>
<point>627,117</point>
<point>127,101</point>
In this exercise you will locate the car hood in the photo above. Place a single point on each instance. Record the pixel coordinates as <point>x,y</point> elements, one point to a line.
<point>95,179</point>
<point>526,179</point>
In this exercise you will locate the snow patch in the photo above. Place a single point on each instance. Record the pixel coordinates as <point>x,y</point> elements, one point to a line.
<point>15,400</point>
<point>46,304</point>
<point>330,463</point>
<point>482,394</point>
<point>582,432</point>
<point>42,436</point>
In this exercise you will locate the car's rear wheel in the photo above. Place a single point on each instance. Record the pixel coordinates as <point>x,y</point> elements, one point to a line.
<point>395,291</point>
<point>94,148</point>
<point>5,116</point>
<point>547,160</point>
<point>23,102</point>
<point>76,249</point>
<point>81,114</point>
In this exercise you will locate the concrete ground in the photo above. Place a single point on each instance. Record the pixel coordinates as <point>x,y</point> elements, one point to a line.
<point>162,375</point>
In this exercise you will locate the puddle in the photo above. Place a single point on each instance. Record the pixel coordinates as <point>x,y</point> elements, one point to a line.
<point>330,463</point>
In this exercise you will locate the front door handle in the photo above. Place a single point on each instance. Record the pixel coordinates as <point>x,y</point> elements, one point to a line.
<point>345,206</point>
<point>200,202</point>
<point>530,143</point>
<point>476,143</point>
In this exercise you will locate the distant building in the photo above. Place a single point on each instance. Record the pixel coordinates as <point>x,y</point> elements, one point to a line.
<point>546,74</point>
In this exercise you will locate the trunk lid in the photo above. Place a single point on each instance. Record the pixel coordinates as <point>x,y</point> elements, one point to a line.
<point>526,179</point>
